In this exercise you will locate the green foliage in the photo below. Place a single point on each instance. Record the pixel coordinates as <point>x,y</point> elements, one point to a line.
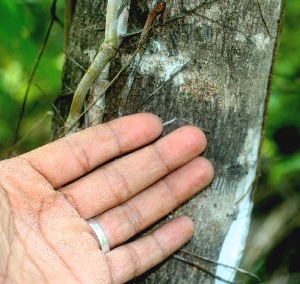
<point>23,27</point>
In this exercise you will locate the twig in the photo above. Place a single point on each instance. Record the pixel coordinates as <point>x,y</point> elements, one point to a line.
<point>74,119</point>
<point>53,14</point>
<point>243,271</point>
<point>75,63</point>
<point>166,123</point>
<point>36,64</point>
<point>249,189</point>
<point>32,129</point>
<point>193,11</point>
<point>96,96</point>
<point>114,33</point>
<point>149,27</point>
<point>175,18</point>
<point>55,109</point>
<point>226,26</point>
<point>165,82</point>
<point>263,18</point>
<point>200,267</point>
<point>159,9</point>
<point>106,52</point>
<point>110,84</point>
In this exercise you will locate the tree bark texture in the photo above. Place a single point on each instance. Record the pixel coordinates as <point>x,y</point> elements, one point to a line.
<point>223,90</point>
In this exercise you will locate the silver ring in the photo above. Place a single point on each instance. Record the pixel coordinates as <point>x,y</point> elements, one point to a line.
<point>100,235</point>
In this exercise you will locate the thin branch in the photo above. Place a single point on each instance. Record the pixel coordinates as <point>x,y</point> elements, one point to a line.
<point>175,18</point>
<point>158,10</point>
<point>96,112</point>
<point>36,64</point>
<point>106,52</point>
<point>194,11</point>
<point>243,271</point>
<point>55,109</point>
<point>166,123</point>
<point>100,96</point>
<point>75,63</point>
<point>225,26</point>
<point>165,82</point>
<point>263,18</point>
<point>84,85</point>
<point>53,14</point>
<point>191,11</point>
<point>200,267</point>
<point>33,128</point>
<point>133,56</point>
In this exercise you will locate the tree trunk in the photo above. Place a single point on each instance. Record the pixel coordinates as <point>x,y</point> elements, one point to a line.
<point>224,90</point>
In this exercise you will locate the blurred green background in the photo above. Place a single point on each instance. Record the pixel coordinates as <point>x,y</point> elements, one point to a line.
<point>273,250</point>
<point>23,28</point>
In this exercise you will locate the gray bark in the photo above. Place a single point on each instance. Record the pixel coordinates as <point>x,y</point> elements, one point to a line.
<point>223,90</point>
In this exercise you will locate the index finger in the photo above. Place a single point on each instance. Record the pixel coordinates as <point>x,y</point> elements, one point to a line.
<point>73,156</point>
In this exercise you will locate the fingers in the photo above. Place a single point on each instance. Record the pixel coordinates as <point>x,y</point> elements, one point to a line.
<point>71,157</point>
<point>122,179</point>
<point>133,259</point>
<point>130,218</point>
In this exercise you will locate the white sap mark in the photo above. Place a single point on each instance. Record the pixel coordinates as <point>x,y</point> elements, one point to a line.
<point>240,37</point>
<point>161,64</point>
<point>157,46</point>
<point>234,243</point>
<point>261,41</point>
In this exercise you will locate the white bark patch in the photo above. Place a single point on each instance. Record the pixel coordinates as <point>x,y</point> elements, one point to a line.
<point>162,64</point>
<point>240,37</point>
<point>235,240</point>
<point>261,41</point>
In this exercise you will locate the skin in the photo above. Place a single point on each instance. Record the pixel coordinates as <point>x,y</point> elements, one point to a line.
<point>46,196</point>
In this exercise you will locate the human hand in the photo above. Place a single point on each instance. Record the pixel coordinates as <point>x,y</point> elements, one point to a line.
<point>47,195</point>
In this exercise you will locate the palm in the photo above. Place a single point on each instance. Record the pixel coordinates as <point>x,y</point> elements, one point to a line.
<point>50,239</point>
<point>44,204</point>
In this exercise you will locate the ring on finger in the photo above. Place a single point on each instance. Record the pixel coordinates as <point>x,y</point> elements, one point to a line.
<point>104,246</point>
